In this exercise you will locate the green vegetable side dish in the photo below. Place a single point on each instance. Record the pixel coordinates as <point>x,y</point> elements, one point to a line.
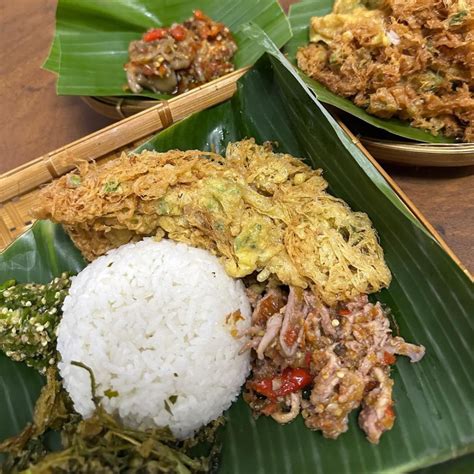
<point>90,46</point>
<point>430,296</point>
<point>300,15</point>
<point>29,314</point>
<point>99,443</point>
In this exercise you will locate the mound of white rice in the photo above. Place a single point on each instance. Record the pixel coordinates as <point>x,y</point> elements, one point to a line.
<point>151,321</point>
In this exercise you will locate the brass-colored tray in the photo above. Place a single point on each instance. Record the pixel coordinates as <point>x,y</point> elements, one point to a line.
<point>421,154</point>
<point>388,151</point>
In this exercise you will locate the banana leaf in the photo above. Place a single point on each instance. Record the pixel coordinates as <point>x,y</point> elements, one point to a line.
<point>91,38</point>
<point>430,297</point>
<point>300,14</point>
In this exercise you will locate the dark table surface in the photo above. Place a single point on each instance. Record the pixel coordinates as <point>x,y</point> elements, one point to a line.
<point>34,121</point>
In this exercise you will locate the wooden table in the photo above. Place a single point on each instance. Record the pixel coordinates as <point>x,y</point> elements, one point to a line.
<point>35,121</point>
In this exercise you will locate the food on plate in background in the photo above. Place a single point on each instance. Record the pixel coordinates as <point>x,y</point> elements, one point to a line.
<point>175,59</point>
<point>407,59</point>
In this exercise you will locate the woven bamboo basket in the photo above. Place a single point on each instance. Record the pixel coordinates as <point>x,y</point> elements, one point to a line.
<point>388,151</point>
<point>20,187</point>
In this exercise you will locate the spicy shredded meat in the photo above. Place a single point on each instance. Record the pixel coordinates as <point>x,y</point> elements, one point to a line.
<point>323,361</point>
<point>179,58</point>
<point>411,59</point>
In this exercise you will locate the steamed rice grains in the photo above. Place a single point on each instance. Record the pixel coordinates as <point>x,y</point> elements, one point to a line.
<point>149,319</point>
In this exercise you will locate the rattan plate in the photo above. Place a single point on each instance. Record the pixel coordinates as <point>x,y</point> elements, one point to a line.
<point>421,154</point>
<point>388,151</point>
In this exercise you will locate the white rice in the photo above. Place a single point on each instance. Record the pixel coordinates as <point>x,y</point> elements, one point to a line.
<point>149,319</point>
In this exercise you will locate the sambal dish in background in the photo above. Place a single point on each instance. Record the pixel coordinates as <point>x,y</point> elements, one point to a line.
<point>175,59</point>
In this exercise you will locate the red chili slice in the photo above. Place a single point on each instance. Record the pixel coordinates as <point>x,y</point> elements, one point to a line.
<point>291,380</point>
<point>155,34</point>
<point>294,380</point>
<point>199,15</point>
<point>264,387</point>
<point>389,411</point>
<point>178,32</point>
<point>389,359</point>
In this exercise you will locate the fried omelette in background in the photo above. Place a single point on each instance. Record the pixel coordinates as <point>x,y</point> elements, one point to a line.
<point>411,59</point>
<point>259,211</point>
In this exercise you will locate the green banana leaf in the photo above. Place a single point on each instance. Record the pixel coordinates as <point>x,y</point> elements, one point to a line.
<point>91,38</point>
<point>430,297</point>
<point>300,14</point>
